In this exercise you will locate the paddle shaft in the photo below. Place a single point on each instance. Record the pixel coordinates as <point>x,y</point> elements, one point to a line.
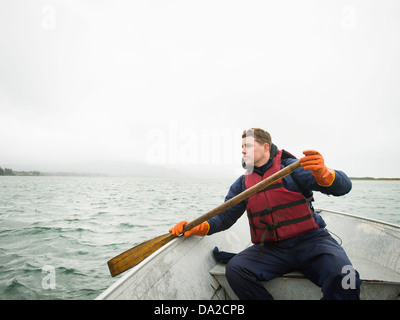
<point>137,254</point>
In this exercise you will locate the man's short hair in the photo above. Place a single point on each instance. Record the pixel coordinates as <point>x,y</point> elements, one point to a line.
<point>260,135</point>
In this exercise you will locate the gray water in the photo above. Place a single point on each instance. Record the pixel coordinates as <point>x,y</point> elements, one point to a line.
<point>57,233</point>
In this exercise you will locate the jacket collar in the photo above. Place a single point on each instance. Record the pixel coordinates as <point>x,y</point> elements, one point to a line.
<point>261,170</point>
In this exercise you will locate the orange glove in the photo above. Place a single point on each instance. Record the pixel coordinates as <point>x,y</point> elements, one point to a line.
<point>200,230</point>
<point>314,162</point>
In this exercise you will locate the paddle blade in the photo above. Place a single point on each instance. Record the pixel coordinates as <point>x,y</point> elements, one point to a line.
<point>135,255</point>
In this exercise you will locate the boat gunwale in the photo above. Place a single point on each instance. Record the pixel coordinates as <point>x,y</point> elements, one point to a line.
<point>321,210</point>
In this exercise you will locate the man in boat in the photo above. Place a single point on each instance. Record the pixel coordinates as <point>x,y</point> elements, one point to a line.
<point>286,232</point>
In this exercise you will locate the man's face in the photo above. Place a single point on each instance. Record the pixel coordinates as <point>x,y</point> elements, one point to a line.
<point>254,153</point>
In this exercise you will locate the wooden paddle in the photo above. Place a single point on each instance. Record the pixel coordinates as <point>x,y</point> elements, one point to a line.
<point>137,254</point>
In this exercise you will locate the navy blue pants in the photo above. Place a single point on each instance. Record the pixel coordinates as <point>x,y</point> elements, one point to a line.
<point>318,256</point>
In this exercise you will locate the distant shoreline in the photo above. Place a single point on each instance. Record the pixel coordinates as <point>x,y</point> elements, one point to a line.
<point>75,174</point>
<point>9,172</point>
<point>374,179</point>
<point>54,174</point>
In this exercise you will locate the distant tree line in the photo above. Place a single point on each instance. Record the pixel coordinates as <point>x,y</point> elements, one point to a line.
<point>11,172</point>
<point>6,172</point>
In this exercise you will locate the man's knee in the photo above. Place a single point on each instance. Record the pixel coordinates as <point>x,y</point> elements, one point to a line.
<point>232,270</point>
<point>245,283</point>
<point>342,284</point>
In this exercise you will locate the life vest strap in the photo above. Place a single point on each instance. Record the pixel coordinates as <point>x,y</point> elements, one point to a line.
<point>272,226</point>
<point>272,186</point>
<point>278,207</point>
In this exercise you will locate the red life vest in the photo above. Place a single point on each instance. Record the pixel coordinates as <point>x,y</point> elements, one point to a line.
<point>276,213</point>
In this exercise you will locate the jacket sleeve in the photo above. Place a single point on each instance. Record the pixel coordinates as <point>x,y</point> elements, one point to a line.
<point>226,219</point>
<point>306,182</point>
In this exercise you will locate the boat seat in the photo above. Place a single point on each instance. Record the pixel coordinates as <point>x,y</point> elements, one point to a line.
<point>295,286</point>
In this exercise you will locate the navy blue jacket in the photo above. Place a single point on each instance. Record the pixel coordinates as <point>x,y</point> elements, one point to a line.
<point>299,181</point>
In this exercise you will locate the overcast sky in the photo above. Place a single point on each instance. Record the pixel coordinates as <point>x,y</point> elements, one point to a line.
<point>174,83</point>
